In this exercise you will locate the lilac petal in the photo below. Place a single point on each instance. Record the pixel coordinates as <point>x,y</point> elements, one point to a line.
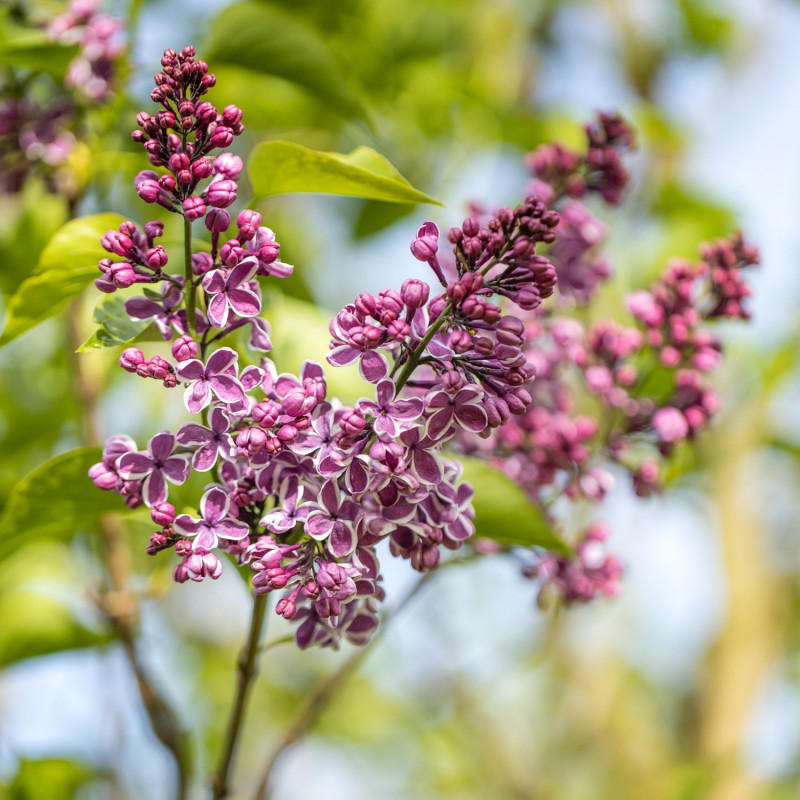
<point>318,526</point>
<point>161,445</point>
<point>192,433</point>
<point>459,530</point>
<point>228,389</point>
<point>205,458</point>
<point>373,366</point>
<point>244,302</point>
<point>361,628</point>
<point>231,529</point>
<point>142,308</point>
<point>186,525</point>
<point>329,496</point>
<point>357,477</point>
<point>369,562</point>
<point>132,466</point>
<point>218,421</point>
<point>176,469</point>
<point>242,272</point>
<point>218,310</point>
<point>343,355</point>
<point>221,360</point>
<point>384,392</point>
<point>154,488</point>
<point>259,335</point>
<point>469,394</point>
<point>401,511</point>
<point>471,417</point>
<point>406,409</point>
<point>191,370</point>
<point>277,521</point>
<point>342,539</point>
<point>286,383</point>
<point>437,400</point>
<point>427,467</point>
<point>214,281</point>
<point>197,396</point>
<point>206,538</point>
<point>214,505</point>
<point>438,423</point>
<point>385,424</point>
<point>251,377</point>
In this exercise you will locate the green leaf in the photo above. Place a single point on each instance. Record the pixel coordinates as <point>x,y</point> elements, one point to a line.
<point>504,513</point>
<point>66,267</point>
<point>281,167</point>
<point>33,50</point>
<point>55,499</point>
<point>274,42</point>
<point>48,778</point>
<point>116,327</point>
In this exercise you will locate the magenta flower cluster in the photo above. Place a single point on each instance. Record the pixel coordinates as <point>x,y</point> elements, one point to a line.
<point>304,489</point>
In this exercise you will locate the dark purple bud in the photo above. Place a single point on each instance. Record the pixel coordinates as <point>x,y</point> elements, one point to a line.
<point>167,183</point>
<point>154,229</point>
<point>218,220</point>
<point>231,115</point>
<point>426,245</point>
<point>470,227</point>
<point>222,137</point>
<point>205,112</point>
<point>148,190</point>
<point>202,168</point>
<point>193,208</point>
<point>511,331</point>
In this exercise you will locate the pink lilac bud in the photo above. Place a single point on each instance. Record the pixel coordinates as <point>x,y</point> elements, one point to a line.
<point>131,358</point>
<point>202,168</point>
<point>103,476</point>
<point>414,293</point>
<point>352,422</point>
<point>266,413</point>
<point>178,162</point>
<point>459,341</point>
<point>670,424</point>
<point>170,381</point>
<point>231,253</point>
<point>222,193</point>
<point>184,348</point>
<point>251,440</point>
<point>163,513</point>
<point>193,208</point>
<point>218,220</point>
<point>248,223</point>
<point>222,137</point>
<point>148,190</point>
<point>122,274</point>
<point>228,166</point>
<point>158,368</point>
<point>231,115</point>
<point>117,243</point>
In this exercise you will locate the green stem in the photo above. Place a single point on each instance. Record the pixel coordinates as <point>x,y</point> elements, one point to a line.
<point>191,322</point>
<point>413,359</point>
<point>244,680</point>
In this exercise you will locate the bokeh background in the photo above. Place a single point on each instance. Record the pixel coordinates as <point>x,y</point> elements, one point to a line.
<point>687,685</point>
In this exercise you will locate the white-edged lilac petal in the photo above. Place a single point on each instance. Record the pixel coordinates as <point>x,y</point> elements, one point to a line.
<point>192,433</point>
<point>221,359</point>
<point>132,466</point>
<point>162,445</point>
<point>176,469</point>
<point>205,457</point>
<point>154,488</point>
<point>329,496</point>
<point>191,370</point>
<point>426,466</point>
<point>357,477</point>
<point>218,421</point>
<point>439,423</point>
<point>342,355</point>
<point>278,521</point>
<point>214,281</point>
<point>438,400</point>
<point>244,302</point>
<point>218,310</point>
<point>231,529</point>
<point>186,525</point>
<point>318,525</point>
<point>251,377</point>
<point>197,396</point>
<point>407,409</point>
<point>472,417</point>
<point>259,335</point>
<point>384,392</point>
<point>342,539</point>
<point>373,366</point>
<point>214,505</point>
<point>242,272</point>
<point>226,388</point>
<point>206,539</point>
<point>460,529</point>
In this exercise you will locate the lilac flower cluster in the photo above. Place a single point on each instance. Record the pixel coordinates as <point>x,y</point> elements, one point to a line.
<point>303,489</point>
<point>38,126</point>
<point>649,381</point>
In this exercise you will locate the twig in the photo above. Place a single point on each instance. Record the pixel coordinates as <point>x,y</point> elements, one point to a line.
<point>327,690</point>
<point>244,681</point>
